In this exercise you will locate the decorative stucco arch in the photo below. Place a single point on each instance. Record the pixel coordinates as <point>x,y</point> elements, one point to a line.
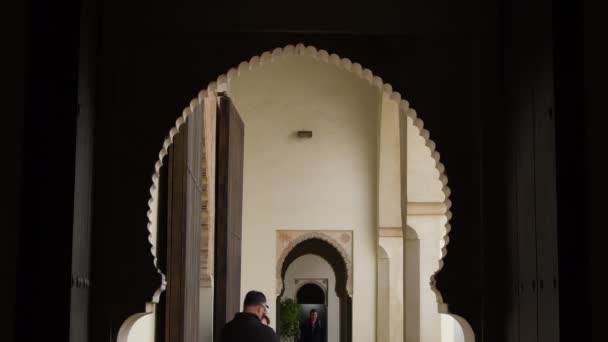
<point>222,84</point>
<point>341,240</point>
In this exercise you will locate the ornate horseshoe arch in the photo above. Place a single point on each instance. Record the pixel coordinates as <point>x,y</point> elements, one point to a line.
<point>222,84</point>
<point>341,240</point>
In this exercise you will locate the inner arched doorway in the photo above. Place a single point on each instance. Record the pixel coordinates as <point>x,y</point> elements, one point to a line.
<point>311,298</point>
<point>315,274</point>
<point>310,293</point>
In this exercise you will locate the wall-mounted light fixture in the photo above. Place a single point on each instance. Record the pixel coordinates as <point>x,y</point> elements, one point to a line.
<point>304,134</point>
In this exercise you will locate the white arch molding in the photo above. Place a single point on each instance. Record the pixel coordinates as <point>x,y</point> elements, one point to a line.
<point>341,240</point>
<point>221,84</point>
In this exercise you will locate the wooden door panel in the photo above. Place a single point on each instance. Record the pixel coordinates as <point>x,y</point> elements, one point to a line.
<point>228,213</point>
<point>183,231</point>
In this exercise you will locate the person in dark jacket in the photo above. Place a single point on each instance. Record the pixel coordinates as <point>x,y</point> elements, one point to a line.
<point>312,330</point>
<point>246,326</point>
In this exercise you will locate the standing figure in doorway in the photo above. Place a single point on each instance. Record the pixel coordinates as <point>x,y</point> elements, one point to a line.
<point>312,330</point>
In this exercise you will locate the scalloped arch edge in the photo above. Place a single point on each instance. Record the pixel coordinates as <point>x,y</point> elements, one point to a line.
<point>267,57</point>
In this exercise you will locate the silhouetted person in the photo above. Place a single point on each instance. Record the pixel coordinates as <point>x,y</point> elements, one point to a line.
<point>246,326</point>
<point>312,330</point>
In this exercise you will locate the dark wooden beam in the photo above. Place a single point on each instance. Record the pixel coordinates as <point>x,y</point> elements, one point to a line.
<point>228,214</point>
<point>183,240</point>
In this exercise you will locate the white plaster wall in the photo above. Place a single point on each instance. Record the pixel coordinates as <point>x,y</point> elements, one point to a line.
<point>423,187</point>
<point>428,230</point>
<point>327,182</point>
<point>389,166</point>
<point>451,331</point>
<point>394,250</point>
<point>205,326</point>
<point>423,183</point>
<point>311,266</point>
<point>138,328</point>
<point>383,304</point>
<point>412,291</point>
